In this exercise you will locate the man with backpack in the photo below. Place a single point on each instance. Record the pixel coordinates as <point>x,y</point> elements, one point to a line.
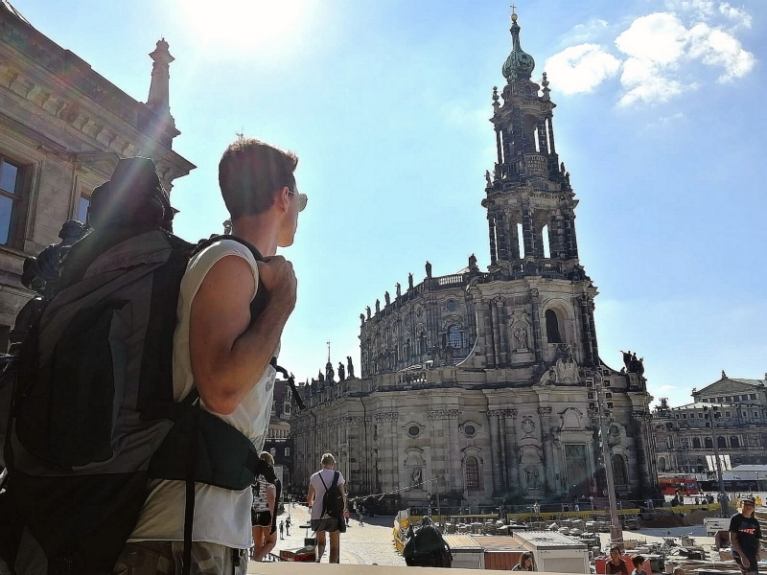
<point>173,369</point>
<point>226,355</point>
<point>327,498</point>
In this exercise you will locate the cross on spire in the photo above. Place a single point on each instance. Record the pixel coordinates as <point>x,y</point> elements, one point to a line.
<point>513,8</point>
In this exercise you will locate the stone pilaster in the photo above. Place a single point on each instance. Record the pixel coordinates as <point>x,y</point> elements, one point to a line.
<point>548,446</point>
<point>493,247</point>
<point>510,440</point>
<point>495,448</point>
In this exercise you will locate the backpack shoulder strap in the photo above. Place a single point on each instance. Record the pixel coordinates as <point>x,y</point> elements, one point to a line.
<point>319,474</point>
<point>335,479</point>
<point>218,238</point>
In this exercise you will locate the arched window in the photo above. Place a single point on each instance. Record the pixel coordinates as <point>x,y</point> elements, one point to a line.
<point>700,467</point>
<point>734,442</point>
<point>454,337</point>
<point>619,470</point>
<point>721,441</point>
<point>696,442</point>
<point>661,464</point>
<point>709,443</point>
<point>552,327</point>
<point>472,474</point>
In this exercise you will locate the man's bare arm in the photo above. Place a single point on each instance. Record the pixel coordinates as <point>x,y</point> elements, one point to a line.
<point>228,355</point>
<point>310,496</point>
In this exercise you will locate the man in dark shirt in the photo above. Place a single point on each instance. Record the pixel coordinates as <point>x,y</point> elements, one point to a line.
<point>616,566</point>
<point>745,534</point>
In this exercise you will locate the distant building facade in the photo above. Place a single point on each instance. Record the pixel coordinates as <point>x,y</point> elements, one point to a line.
<point>62,129</point>
<point>479,385</point>
<point>278,440</point>
<point>731,412</point>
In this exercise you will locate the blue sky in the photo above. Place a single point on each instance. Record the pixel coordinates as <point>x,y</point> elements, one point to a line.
<point>660,121</point>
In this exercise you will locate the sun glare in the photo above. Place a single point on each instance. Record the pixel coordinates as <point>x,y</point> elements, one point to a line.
<point>245,23</point>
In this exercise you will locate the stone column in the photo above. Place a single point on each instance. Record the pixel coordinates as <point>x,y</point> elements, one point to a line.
<point>590,311</point>
<point>455,459</point>
<point>510,441</point>
<point>549,117</point>
<point>493,247</point>
<point>514,239</point>
<point>502,236</point>
<point>495,446</point>
<point>570,239</point>
<point>538,341</point>
<point>527,231</point>
<point>504,346</point>
<point>496,333</point>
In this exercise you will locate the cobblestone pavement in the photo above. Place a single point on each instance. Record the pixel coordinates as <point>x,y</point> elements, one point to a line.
<point>362,545</point>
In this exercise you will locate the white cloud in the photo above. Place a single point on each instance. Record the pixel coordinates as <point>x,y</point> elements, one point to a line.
<point>588,31</point>
<point>659,38</point>
<point>700,8</point>
<point>715,47</point>
<point>654,43</point>
<point>581,68</point>
<point>741,17</point>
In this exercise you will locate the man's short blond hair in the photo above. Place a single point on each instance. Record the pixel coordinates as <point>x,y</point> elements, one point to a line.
<point>328,459</point>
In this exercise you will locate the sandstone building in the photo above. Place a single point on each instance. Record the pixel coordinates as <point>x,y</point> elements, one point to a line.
<point>62,129</point>
<point>479,385</point>
<point>731,412</point>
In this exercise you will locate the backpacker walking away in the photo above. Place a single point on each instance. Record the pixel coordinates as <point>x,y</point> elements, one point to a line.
<point>264,513</point>
<point>426,547</point>
<point>327,498</point>
<point>167,383</point>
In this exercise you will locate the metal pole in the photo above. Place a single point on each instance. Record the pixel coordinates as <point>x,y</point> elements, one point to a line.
<point>616,532</point>
<point>439,510</point>
<point>722,496</point>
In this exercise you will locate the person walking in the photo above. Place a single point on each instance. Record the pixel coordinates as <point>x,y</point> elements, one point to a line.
<point>745,534</point>
<point>287,526</point>
<point>282,530</point>
<point>321,521</point>
<point>263,514</point>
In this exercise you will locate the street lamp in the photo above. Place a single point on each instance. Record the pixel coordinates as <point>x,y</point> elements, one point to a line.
<point>717,415</point>
<point>616,532</point>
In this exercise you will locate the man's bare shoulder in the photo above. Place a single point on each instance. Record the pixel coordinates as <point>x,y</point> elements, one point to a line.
<point>232,275</point>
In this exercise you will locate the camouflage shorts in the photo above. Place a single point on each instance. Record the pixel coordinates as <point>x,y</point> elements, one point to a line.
<point>164,558</point>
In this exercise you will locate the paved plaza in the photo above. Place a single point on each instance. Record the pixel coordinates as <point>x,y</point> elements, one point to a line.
<point>368,544</point>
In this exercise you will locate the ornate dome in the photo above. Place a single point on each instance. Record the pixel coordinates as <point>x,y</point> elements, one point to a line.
<point>519,65</point>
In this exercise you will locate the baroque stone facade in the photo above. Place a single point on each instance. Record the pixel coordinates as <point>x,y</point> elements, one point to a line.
<point>731,412</point>
<point>481,384</point>
<point>62,129</point>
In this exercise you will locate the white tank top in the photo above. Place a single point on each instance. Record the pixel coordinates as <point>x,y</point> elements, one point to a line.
<point>220,516</point>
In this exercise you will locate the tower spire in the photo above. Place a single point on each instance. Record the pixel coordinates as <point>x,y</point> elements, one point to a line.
<point>159,88</point>
<point>519,65</point>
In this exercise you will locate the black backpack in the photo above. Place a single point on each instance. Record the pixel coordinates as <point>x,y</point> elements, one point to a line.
<point>332,500</point>
<point>92,415</point>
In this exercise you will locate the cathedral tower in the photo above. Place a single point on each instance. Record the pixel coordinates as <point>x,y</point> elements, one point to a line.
<point>483,381</point>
